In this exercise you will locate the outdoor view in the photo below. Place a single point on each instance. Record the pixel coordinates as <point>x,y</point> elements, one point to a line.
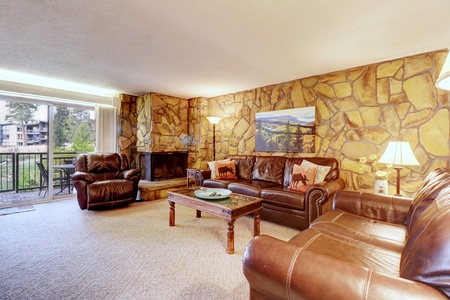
<point>24,140</point>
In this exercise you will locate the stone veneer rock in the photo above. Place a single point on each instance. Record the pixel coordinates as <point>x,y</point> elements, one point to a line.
<point>358,111</point>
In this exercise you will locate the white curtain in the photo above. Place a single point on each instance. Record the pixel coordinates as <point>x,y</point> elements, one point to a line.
<point>106,136</point>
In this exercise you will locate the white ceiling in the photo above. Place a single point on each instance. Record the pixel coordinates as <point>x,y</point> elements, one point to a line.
<point>195,48</point>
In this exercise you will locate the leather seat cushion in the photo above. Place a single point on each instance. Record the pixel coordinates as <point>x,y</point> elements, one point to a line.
<point>377,233</point>
<point>351,250</point>
<point>250,188</point>
<point>217,183</point>
<point>109,190</point>
<point>284,197</point>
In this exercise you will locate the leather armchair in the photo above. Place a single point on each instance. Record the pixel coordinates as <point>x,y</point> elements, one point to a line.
<point>105,180</point>
<point>367,247</point>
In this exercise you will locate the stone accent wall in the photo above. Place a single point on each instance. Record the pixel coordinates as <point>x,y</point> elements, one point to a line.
<point>128,126</point>
<point>358,112</point>
<point>162,123</point>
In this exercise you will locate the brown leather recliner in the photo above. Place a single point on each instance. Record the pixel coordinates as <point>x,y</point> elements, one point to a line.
<point>368,247</point>
<point>104,180</point>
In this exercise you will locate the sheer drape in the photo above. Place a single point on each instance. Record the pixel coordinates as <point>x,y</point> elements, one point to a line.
<point>106,137</point>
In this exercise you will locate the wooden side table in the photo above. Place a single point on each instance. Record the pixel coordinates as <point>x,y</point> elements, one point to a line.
<point>191,177</point>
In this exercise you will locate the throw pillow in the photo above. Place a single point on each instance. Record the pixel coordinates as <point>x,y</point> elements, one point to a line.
<point>212,166</point>
<point>226,170</point>
<point>302,178</point>
<point>322,171</point>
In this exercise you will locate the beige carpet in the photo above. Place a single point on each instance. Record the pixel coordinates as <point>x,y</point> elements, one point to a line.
<point>61,252</point>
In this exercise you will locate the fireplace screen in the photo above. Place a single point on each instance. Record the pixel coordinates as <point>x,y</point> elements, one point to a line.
<point>162,165</point>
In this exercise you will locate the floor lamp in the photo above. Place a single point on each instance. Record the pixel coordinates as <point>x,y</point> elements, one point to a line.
<point>214,121</point>
<point>398,154</point>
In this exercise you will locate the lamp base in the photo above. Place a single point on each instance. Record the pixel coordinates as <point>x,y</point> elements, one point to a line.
<point>397,191</point>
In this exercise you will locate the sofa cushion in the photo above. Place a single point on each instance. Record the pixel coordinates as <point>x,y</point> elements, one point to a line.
<point>432,185</point>
<point>302,178</point>
<point>321,173</point>
<point>244,165</point>
<point>217,183</point>
<point>269,168</point>
<point>283,197</point>
<point>345,248</point>
<point>426,255</point>
<point>212,166</point>
<point>250,188</point>
<point>226,170</point>
<point>333,174</point>
<point>342,224</point>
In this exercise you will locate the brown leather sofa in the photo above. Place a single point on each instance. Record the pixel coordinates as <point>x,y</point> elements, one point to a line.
<point>104,180</point>
<point>368,247</point>
<point>268,177</point>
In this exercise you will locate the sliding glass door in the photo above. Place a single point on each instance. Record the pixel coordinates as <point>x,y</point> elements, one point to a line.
<point>38,147</point>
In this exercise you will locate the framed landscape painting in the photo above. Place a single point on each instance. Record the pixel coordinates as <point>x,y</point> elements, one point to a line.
<point>290,130</point>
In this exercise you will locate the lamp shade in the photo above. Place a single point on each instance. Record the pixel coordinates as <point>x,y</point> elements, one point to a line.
<point>400,154</point>
<point>443,81</point>
<point>214,120</point>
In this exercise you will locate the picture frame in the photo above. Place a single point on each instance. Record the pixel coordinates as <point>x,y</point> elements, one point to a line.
<point>289,130</point>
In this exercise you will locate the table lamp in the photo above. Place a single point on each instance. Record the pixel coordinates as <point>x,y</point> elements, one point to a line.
<point>398,154</point>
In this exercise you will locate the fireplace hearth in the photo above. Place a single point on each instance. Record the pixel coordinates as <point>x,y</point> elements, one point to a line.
<point>162,165</point>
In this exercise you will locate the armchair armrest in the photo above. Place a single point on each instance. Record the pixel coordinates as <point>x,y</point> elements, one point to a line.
<point>385,208</point>
<point>279,270</point>
<point>321,193</point>
<point>83,176</point>
<point>130,174</point>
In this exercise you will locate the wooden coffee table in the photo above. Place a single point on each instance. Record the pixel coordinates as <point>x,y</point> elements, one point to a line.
<point>230,209</point>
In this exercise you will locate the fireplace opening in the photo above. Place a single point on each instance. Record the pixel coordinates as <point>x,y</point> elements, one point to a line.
<point>162,165</point>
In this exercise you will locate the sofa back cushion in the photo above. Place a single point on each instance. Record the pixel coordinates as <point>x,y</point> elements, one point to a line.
<point>269,168</point>
<point>333,174</point>
<point>432,185</point>
<point>426,255</point>
<point>244,165</point>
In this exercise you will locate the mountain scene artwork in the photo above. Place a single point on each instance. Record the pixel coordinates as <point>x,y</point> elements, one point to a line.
<point>290,130</point>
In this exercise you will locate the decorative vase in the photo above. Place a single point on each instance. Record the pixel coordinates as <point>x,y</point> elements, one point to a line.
<point>380,186</point>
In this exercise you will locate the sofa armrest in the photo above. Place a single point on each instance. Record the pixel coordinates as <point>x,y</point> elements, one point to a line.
<point>392,209</point>
<point>201,175</point>
<point>279,270</point>
<point>319,194</point>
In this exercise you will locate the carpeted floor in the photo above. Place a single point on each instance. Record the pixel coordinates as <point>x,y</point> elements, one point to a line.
<point>61,252</point>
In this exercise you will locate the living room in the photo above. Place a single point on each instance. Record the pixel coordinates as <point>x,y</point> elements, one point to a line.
<point>369,70</point>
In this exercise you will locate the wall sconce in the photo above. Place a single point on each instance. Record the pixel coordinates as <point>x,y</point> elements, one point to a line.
<point>214,121</point>
<point>398,154</point>
<point>443,81</point>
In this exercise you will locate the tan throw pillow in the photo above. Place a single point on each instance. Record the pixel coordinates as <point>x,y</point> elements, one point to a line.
<point>322,171</point>
<point>302,178</point>
<point>226,170</point>
<point>212,166</point>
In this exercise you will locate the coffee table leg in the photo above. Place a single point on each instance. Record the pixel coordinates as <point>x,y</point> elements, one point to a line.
<point>199,214</point>
<point>256,225</point>
<point>171,213</point>
<point>230,234</point>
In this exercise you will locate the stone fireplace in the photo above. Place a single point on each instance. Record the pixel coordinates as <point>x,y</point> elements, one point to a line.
<point>163,165</point>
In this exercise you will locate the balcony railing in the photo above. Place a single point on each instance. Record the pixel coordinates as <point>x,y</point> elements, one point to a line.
<point>19,171</point>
